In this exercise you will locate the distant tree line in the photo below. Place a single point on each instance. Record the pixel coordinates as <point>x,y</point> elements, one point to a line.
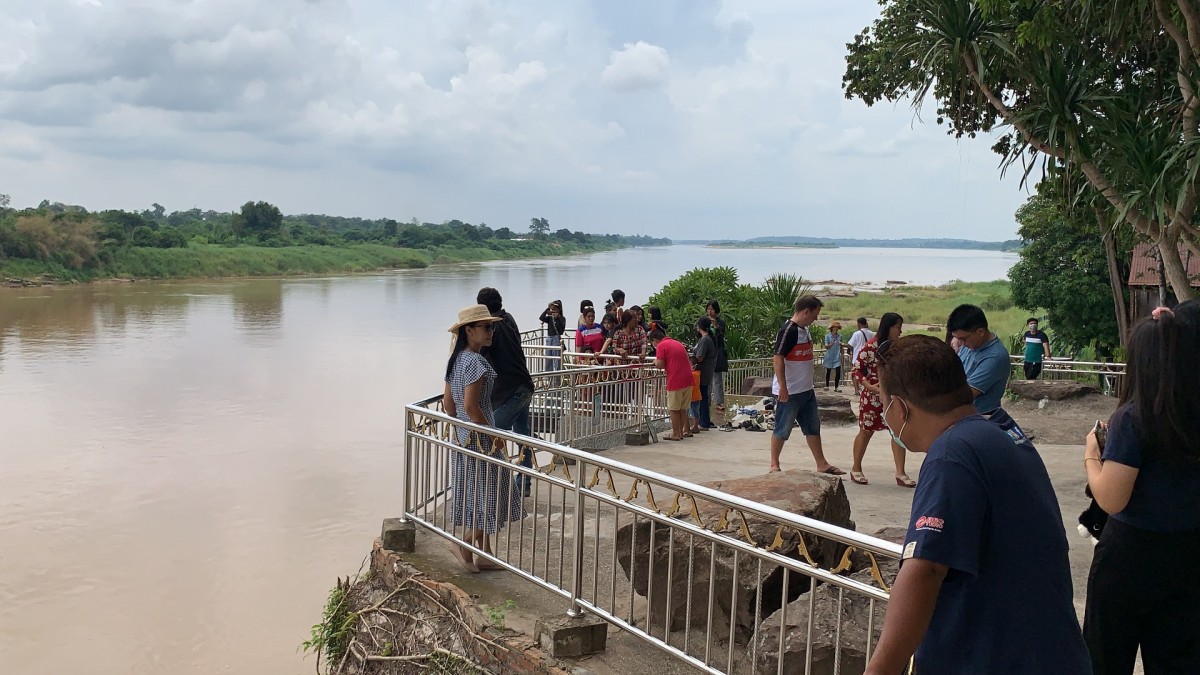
<point>76,238</point>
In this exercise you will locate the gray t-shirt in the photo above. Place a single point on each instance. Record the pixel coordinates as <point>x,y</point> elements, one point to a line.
<point>706,353</point>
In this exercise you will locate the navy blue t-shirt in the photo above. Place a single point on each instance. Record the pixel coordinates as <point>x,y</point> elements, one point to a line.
<point>1166,497</point>
<point>985,508</point>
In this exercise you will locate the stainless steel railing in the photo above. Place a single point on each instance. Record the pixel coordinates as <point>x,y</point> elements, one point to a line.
<point>592,407</point>
<point>720,582</point>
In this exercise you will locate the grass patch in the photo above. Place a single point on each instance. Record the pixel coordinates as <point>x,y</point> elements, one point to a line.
<point>931,305</point>
<point>211,260</point>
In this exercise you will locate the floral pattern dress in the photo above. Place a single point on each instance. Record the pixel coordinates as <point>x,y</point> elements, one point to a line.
<point>866,371</point>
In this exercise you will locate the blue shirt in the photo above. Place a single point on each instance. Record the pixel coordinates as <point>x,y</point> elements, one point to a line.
<point>833,351</point>
<point>985,508</point>
<point>987,370</point>
<point>1166,497</point>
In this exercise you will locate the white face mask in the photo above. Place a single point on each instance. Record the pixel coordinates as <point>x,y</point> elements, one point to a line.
<point>896,436</point>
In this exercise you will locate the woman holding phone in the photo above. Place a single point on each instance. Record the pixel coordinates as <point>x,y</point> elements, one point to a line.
<point>1141,594</point>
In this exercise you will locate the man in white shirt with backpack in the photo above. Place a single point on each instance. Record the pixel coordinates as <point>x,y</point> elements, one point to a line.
<point>857,341</point>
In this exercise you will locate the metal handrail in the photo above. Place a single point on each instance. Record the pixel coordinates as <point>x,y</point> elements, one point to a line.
<point>570,502</point>
<point>849,537</point>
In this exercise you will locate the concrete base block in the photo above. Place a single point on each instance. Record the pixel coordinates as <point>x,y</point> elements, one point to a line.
<point>572,636</point>
<point>399,536</point>
<point>637,438</point>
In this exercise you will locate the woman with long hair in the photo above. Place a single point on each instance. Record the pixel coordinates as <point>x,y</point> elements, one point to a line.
<point>483,495</point>
<point>1146,476</point>
<point>713,310</point>
<point>629,339</point>
<point>870,409</point>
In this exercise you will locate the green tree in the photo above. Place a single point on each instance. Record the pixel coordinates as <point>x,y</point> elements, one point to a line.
<point>1105,88</point>
<point>259,220</point>
<point>539,227</point>
<point>1063,270</point>
<point>5,200</point>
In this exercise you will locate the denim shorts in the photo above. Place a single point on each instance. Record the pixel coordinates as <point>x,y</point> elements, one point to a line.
<point>801,408</point>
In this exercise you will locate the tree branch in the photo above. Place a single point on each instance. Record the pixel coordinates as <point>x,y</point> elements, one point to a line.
<point>1094,175</point>
<point>1191,18</point>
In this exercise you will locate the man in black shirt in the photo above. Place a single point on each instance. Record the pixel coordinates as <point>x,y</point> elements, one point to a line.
<point>513,389</point>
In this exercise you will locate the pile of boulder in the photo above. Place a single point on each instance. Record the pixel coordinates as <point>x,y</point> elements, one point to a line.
<point>748,598</point>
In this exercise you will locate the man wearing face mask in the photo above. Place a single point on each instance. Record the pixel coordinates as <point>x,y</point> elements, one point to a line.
<point>984,583</point>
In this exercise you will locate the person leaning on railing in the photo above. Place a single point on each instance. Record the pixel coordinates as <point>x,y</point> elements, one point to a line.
<point>483,494</point>
<point>1141,590</point>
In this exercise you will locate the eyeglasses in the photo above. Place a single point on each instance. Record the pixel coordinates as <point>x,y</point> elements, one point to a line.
<point>489,327</point>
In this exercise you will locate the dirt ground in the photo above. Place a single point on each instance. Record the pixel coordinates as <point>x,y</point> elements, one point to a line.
<point>1061,422</point>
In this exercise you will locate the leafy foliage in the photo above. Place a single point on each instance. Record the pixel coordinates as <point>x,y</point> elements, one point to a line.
<point>752,314</point>
<point>69,242</point>
<point>1063,270</point>
<point>331,637</point>
<point>1105,90</point>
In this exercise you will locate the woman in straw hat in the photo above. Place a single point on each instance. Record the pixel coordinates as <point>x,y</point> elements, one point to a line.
<point>484,498</point>
<point>833,356</point>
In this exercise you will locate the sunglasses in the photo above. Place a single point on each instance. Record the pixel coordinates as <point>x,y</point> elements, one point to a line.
<point>489,327</point>
<point>882,350</point>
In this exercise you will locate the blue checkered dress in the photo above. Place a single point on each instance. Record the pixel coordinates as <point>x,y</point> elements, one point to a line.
<point>483,494</point>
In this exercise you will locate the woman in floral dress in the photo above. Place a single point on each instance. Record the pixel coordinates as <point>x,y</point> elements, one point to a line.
<point>870,409</point>
<point>483,495</point>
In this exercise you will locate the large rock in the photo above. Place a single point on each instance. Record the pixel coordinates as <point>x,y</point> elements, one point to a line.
<point>757,386</point>
<point>791,637</point>
<point>649,563</point>
<point>1055,390</point>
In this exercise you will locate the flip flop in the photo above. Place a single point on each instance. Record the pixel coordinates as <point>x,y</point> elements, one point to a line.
<point>464,560</point>
<point>774,470</point>
<point>488,566</point>
<point>834,471</point>
<point>671,438</point>
<point>858,477</point>
<point>688,435</point>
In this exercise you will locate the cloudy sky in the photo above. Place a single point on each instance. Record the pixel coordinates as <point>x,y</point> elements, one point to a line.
<point>679,118</point>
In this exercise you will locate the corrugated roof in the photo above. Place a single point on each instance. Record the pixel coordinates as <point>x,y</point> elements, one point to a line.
<point>1143,269</point>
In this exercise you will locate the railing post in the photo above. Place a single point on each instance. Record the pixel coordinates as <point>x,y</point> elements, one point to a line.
<point>577,582</point>
<point>406,490</point>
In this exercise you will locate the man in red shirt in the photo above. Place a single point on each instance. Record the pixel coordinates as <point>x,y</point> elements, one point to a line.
<point>672,356</point>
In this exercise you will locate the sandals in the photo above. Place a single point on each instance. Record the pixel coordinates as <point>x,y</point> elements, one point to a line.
<point>859,477</point>
<point>905,482</point>
<point>833,471</point>
<point>672,438</point>
<point>464,559</point>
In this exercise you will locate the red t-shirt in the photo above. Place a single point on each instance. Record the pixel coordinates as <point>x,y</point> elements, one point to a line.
<point>675,361</point>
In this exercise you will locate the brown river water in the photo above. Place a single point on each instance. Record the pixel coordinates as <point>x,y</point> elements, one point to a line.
<point>186,467</point>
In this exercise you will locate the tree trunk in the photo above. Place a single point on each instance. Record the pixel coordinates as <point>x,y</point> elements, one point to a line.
<point>1115,281</point>
<point>1176,273</point>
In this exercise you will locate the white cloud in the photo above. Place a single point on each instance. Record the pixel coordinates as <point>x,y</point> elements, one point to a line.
<point>481,110</point>
<point>638,66</point>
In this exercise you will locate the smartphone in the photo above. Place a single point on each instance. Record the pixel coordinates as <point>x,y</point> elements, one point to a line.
<point>1101,435</point>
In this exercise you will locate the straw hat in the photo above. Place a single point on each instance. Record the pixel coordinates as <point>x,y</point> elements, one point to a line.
<point>836,325</point>
<point>473,314</point>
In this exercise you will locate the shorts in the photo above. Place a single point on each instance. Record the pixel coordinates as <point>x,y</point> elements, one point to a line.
<point>679,399</point>
<point>800,408</point>
<point>694,410</point>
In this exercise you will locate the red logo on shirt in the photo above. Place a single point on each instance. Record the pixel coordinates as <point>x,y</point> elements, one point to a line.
<point>930,523</point>
<point>801,352</point>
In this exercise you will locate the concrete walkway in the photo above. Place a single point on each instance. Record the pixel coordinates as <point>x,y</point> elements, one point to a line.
<point>714,455</point>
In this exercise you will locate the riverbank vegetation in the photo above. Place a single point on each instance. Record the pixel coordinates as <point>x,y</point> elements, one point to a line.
<point>753,313</point>
<point>68,243</point>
